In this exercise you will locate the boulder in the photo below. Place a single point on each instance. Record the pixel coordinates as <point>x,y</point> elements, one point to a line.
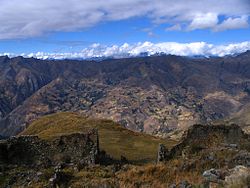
<point>213,175</point>
<point>239,176</point>
<point>184,184</point>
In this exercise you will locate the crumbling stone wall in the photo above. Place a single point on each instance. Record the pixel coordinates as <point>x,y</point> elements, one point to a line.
<point>228,134</point>
<point>31,150</point>
<point>201,137</point>
<point>162,153</point>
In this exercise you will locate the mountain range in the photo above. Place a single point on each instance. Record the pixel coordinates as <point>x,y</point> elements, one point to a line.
<point>161,95</point>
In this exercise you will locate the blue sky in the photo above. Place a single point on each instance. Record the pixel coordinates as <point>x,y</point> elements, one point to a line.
<point>130,31</point>
<point>53,27</point>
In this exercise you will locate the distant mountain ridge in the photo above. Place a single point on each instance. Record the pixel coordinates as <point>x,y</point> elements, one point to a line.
<point>158,95</point>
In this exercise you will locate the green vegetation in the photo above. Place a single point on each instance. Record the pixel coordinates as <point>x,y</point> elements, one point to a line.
<point>114,139</point>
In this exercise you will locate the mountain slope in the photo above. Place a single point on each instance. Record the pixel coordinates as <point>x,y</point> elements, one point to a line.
<point>242,117</point>
<point>114,139</point>
<point>157,95</point>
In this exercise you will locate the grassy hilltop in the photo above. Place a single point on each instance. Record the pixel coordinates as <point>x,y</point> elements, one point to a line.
<point>114,139</point>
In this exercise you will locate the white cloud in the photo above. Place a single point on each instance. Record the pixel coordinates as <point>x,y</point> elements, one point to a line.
<point>233,23</point>
<point>132,50</point>
<point>31,18</point>
<point>176,27</point>
<point>235,48</point>
<point>204,21</point>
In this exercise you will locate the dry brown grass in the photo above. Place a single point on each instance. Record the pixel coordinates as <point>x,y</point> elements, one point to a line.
<point>160,175</point>
<point>114,139</point>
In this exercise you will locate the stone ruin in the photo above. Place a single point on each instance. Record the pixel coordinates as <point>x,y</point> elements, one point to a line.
<point>162,153</point>
<point>32,151</point>
<point>201,137</point>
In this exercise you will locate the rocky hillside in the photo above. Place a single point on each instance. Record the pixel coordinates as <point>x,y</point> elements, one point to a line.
<point>160,95</point>
<point>207,156</point>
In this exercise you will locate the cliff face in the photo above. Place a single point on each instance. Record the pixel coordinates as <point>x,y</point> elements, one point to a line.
<point>32,151</point>
<point>156,95</point>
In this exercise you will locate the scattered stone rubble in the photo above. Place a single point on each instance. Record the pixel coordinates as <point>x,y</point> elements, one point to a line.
<point>227,178</point>
<point>237,175</point>
<point>214,176</point>
<point>58,179</point>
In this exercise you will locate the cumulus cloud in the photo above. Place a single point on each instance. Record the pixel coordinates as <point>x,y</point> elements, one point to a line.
<point>132,50</point>
<point>232,23</point>
<point>204,21</point>
<point>31,18</point>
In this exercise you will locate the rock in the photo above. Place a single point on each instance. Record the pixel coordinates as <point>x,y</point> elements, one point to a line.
<point>239,176</point>
<point>235,146</point>
<point>29,184</point>
<point>37,176</point>
<point>116,167</point>
<point>57,178</point>
<point>242,158</point>
<point>52,182</point>
<point>172,185</point>
<point>39,173</point>
<point>213,175</point>
<point>162,153</point>
<point>58,168</point>
<point>124,160</point>
<point>184,184</point>
<point>211,157</point>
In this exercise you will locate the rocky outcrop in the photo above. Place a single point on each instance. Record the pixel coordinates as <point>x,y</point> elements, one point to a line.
<point>33,151</point>
<point>238,177</point>
<point>223,150</point>
<point>200,137</point>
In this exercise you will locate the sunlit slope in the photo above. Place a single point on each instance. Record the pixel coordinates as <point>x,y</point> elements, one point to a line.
<point>114,139</point>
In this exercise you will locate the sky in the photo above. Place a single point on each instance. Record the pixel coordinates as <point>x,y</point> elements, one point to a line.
<point>103,28</point>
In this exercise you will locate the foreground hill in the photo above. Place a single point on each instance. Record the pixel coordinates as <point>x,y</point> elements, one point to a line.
<point>114,139</point>
<point>157,95</point>
<point>207,156</point>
